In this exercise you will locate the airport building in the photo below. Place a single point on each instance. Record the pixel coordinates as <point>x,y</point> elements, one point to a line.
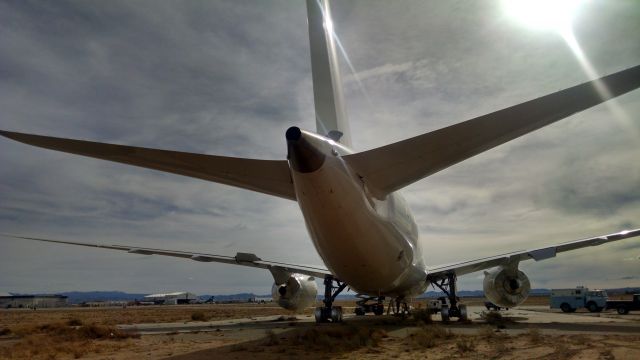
<point>8,301</point>
<point>175,298</point>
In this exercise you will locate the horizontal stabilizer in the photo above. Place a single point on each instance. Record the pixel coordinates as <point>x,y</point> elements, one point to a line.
<point>392,167</point>
<point>271,177</point>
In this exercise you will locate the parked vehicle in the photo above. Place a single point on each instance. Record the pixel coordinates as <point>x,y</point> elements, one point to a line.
<point>569,300</point>
<point>624,306</point>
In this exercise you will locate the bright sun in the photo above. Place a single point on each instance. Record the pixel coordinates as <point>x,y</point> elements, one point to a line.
<point>543,14</point>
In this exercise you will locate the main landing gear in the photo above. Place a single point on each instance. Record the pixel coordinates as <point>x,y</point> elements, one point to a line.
<point>363,308</point>
<point>450,307</point>
<point>399,307</point>
<point>328,312</point>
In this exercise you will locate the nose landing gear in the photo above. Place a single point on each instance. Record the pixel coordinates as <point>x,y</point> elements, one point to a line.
<point>362,308</point>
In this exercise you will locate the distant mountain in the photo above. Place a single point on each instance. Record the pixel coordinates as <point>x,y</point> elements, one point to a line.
<point>77,297</point>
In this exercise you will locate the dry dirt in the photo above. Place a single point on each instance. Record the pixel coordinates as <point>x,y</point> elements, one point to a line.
<point>92,334</point>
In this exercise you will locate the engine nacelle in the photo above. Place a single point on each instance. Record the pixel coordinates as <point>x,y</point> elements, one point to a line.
<point>296,293</point>
<point>506,287</point>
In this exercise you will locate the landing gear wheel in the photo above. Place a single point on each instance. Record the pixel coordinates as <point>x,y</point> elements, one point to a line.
<point>444,313</point>
<point>336,314</point>
<point>463,312</point>
<point>378,309</point>
<point>450,306</point>
<point>329,312</point>
<point>318,315</point>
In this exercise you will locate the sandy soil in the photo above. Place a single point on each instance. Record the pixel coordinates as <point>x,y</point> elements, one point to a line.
<point>529,332</point>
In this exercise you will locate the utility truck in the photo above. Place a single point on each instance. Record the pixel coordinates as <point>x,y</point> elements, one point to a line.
<point>569,300</point>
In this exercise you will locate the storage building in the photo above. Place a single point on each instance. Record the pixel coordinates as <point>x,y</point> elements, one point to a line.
<point>175,298</point>
<point>8,301</point>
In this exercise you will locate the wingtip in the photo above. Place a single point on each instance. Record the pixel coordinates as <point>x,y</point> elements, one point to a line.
<point>11,134</point>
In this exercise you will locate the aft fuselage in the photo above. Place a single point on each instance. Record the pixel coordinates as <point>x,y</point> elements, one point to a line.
<point>371,244</point>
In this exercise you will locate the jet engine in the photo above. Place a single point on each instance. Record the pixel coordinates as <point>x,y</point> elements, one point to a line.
<point>296,293</point>
<point>506,287</point>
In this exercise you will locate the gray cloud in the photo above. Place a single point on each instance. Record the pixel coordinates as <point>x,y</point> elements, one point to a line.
<point>229,77</point>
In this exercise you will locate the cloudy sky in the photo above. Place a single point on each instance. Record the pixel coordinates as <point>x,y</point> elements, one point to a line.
<point>229,77</point>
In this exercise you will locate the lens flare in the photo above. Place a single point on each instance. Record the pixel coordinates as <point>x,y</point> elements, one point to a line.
<point>543,14</point>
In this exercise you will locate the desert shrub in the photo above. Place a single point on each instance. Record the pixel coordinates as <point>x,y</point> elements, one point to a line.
<point>429,336</point>
<point>421,315</point>
<point>58,340</point>
<point>500,348</point>
<point>465,344</point>
<point>104,332</point>
<point>534,335</point>
<point>62,332</point>
<point>492,318</point>
<point>198,316</point>
<point>271,338</point>
<point>487,332</point>
<point>340,337</point>
<point>74,322</point>
<point>285,318</point>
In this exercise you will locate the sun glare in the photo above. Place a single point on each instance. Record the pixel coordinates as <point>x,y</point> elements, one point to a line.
<point>543,14</point>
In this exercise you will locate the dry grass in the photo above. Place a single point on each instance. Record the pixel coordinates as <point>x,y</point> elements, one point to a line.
<point>421,316</point>
<point>199,316</point>
<point>285,318</point>
<point>137,314</point>
<point>465,344</point>
<point>339,338</point>
<point>535,336</point>
<point>271,338</point>
<point>429,336</point>
<point>74,322</point>
<point>493,318</point>
<point>53,340</point>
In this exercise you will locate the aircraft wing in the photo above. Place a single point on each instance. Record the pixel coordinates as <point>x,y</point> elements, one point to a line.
<point>243,259</point>
<point>466,267</point>
<point>271,177</point>
<point>394,166</point>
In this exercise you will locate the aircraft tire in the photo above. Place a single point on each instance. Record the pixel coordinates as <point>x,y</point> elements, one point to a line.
<point>444,312</point>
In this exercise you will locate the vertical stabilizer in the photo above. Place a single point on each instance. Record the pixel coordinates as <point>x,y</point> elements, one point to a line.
<point>331,119</point>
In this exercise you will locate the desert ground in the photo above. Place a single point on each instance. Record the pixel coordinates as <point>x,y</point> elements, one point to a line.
<point>265,331</point>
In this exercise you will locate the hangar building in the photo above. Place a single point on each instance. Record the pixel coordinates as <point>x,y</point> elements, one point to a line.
<point>175,298</point>
<point>9,301</point>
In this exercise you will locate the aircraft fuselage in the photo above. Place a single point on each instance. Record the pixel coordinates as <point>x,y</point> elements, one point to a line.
<point>370,244</point>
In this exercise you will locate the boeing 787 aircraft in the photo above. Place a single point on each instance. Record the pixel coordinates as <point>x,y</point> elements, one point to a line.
<point>354,212</point>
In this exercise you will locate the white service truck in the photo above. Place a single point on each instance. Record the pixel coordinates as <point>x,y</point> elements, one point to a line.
<point>569,300</point>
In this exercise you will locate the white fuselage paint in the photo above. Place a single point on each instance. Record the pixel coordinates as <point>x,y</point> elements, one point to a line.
<point>370,244</point>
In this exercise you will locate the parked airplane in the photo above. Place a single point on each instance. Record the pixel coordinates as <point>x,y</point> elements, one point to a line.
<point>358,221</point>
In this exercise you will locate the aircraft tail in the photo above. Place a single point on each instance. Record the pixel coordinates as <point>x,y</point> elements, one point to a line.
<point>331,119</point>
